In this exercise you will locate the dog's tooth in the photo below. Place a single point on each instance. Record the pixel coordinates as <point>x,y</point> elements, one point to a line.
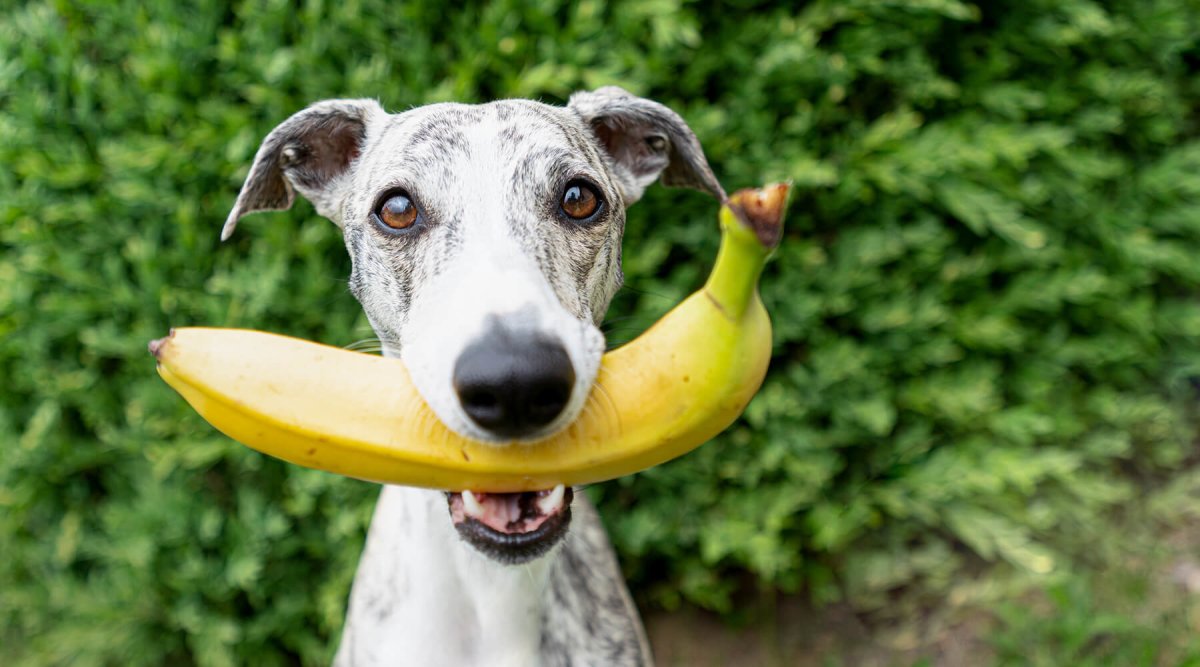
<point>514,508</point>
<point>471,505</point>
<point>551,501</point>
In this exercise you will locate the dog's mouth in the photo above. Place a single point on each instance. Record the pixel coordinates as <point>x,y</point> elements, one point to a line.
<point>512,527</point>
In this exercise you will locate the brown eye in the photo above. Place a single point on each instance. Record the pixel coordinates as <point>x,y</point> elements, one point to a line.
<point>398,212</point>
<point>580,201</point>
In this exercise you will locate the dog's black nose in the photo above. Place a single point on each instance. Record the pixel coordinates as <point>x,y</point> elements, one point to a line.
<point>512,385</point>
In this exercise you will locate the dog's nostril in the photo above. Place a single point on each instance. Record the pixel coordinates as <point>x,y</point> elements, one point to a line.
<point>480,399</point>
<point>548,401</point>
<point>481,404</point>
<point>513,386</point>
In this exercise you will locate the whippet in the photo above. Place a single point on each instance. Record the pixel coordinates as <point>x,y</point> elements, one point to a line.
<point>485,243</point>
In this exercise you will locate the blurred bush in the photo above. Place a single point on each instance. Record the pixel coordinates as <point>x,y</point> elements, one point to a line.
<point>986,303</point>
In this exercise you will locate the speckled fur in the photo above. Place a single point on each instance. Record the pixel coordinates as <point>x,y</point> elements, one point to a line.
<point>492,247</point>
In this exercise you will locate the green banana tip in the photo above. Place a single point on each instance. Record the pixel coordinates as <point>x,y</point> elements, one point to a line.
<point>762,210</point>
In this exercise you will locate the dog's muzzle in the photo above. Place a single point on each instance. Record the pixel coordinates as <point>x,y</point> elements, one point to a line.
<point>513,384</point>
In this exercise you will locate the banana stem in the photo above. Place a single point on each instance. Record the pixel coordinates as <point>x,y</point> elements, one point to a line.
<point>751,226</point>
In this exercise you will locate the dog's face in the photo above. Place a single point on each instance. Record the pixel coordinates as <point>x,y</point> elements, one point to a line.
<point>485,243</point>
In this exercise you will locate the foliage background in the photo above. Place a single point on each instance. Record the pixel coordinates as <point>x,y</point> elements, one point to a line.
<point>985,306</point>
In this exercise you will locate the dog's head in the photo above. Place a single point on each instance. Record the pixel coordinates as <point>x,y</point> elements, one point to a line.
<point>485,243</point>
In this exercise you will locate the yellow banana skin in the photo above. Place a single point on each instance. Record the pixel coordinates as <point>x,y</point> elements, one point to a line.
<point>663,394</point>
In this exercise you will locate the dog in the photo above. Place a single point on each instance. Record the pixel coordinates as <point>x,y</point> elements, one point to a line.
<point>485,243</point>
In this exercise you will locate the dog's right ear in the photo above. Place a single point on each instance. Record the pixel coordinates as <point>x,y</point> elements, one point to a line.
<point>308,153</point>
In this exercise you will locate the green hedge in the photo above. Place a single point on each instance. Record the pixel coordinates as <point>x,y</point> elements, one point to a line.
<point>986,313</point>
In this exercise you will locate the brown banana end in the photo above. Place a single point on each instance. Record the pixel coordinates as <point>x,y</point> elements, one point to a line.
<point>762,209</point>
<point>157,344</point>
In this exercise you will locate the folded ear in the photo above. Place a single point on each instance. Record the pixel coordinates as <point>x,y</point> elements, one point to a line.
<point>308,153</point>
<point>643,141</point>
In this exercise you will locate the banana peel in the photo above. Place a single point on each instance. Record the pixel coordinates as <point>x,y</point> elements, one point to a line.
<point>661,395</point>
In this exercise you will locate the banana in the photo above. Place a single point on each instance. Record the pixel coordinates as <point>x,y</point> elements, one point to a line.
<point>663,394</point>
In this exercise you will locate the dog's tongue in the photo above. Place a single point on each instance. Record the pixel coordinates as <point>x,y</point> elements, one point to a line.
<point>509,512</point>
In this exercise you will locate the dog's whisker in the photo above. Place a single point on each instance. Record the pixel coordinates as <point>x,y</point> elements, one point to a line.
<point>360,343</point>
<point>608,407</point>
<point>584,415</point>
<point>377,338</point>
<point>639,325</point>
<point>372,345</point>
<point>369,350</point>
<point>625,318</point>
<point>629,325</point>
<point>646,292</point>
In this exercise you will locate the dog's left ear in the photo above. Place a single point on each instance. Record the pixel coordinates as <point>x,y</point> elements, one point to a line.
<point>643,141</point>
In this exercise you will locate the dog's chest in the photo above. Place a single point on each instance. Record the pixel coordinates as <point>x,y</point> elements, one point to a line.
<point>423,597</point>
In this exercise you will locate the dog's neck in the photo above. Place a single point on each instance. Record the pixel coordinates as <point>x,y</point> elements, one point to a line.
<point>424,594</point>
